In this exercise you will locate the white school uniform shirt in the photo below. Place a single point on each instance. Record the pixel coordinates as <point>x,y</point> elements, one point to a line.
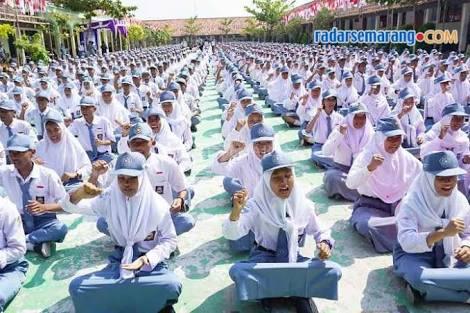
<point>346,95</point>
<point>377,106</point>
<point>33,117</point>
<point>12,237</point>
<point>165,176</point>
<point>141,92</point>
<point>266,234</point>
<point>102,130</point>
<point>359,82</point>
<point>157,246</point>
<point>17,127</point>
<point>319,130</point>
<point>437,103</point>
<point>133,101</point>
<point>279,89</point>
<point>46,186</point>
<point>427,86</point>
<point>70,107</point>
<point>358,176</point>
<point>113,111</point>
<point>307,111</point>
<point>461,91</point>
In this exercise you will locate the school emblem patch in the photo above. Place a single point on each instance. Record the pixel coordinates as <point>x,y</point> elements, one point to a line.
<point>444,162</point>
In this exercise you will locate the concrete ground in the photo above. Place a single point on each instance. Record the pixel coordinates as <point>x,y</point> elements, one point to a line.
<point>367,285</point>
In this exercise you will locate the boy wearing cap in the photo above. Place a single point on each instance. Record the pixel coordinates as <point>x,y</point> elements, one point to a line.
<point>95,133</point>
<point>37,193</point>
<point>165,176</point>
<point>129,99</point>
<point>143,91</point>
<point>36,116</point>
<point>10,124</point>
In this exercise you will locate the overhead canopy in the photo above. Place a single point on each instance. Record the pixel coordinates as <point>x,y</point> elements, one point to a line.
<point>111,24</point>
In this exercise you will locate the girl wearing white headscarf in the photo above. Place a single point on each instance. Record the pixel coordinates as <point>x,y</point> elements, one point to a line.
<point>344,144</point>
<point>69,102</point>
<point>382,174</point>
<point>141,227</point>
<point>433,250</point>
<point>65,156</point>
<point>410,118</point>
<point>275,268</point>
<point>347,93</point>
<point>178,123</point>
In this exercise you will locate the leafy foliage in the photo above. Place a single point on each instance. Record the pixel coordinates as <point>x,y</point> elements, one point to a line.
<point>323,19</point>
<point>6,30</point>
<point>113,8</point>
<point>269,12</point>
<point>226,26</point>
<point>33,46</point>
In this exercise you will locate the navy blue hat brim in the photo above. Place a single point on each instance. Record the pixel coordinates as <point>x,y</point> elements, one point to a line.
<point>17,148</point>
<point>449,172</point>
<point>128,172</point>
<point>290,165</point>
<point>394,132</point>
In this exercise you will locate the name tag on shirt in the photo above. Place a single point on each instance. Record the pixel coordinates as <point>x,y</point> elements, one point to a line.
<point>150,237</point>
<point>160,189</point>
<point>40,199</point>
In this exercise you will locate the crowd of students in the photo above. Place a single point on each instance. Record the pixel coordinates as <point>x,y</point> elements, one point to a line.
<point>112,137</point>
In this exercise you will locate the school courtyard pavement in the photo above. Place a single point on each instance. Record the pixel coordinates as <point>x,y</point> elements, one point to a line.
<point>367,285</point>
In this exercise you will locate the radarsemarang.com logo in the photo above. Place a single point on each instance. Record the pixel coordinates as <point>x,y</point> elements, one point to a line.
<point>409,37</point>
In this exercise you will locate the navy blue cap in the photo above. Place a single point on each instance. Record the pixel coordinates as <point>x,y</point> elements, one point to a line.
<point>284,69</point>
<point>329,93</point>
<point>127,81</point>
<point>107,88</point>
<point>20,143</point>
<point>88,102</point>
<point>8,105</point>
<point>244,95</point>
<point>167,96</point>
<point>130,164</point>
<point>374,80</point>
<point>443,163</point>
<point>275,160</point>
<point>18,79</point>
<point>442,79</point>
<point>54,116</point>
<point>314,84</point>
<point>261,132</point>
<point>406,70</point>
<point>380,67</point>
<point>406,93</point>
<point>173,86</point>
<point>140,131</point>
<point>253,109</point>
<point>346,75</point>
<point>454,109</point>
<point>296,79</point>
<point>17,91</point>
<point>356,108</point>
<point>389,126</point>
<point>460,69</point>
<point>154,111</point>
<point>43,94</point>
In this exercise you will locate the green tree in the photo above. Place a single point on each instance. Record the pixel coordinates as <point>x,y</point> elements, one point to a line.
<point>253,29</point>
<point>192,27</point>
<point>269,13</point>
<point>6,30</point>
<point>226,26</point>
<point>33,47</point>
<point>136,34</point>
<point>113,8</point>
<point>323,19</point>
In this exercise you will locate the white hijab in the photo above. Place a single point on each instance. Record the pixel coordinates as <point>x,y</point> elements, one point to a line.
<point>67,155</point>
<point>131,220</point>
<point>429,207</point>
<point>410,122</point>
<point>391,180</point>
<point>274,210</point>
<point>165,136</point>
<point>347,94</point>
<point>355,138</point>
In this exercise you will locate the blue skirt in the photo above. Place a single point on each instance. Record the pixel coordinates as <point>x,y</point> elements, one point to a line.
<point>334,182</point>
<point>260,278</point>
<point>433,283</point>
<point>367,213</point>
<point>105,292</point>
